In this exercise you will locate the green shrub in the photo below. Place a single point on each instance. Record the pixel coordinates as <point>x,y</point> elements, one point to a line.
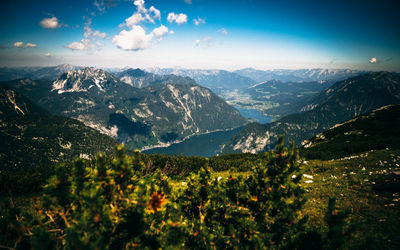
<point>114,203</point>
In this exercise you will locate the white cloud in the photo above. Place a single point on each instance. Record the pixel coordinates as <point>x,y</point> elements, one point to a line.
<point>197,43</point>
<point>23,45</point>
<point>188,1</point>
<point>178,18</point>
<point>135,39</point>
<point>181,19</point>
<point>160,32</point>
<point>199,21</point>
<point>135,19</point>
<point>47,54</point>
<point>223,31</point>
<point>30,45</point>
<point>156,13</point>
<point>99,34</point>
<point>89,40</point>
<point>50,23</point>
<point>19,45</point>
<point>89,33</point>
<point>373,60</point>
<point>142,14</point>
<point>140,6</point>
<point>76,46</point>
<point>84,44</point>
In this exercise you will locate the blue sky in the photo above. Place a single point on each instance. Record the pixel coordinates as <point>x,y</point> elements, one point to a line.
<point>202,34</point>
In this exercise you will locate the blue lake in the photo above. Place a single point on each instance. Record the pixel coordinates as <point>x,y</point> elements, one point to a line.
<point>199,145</point>
<point>255,114</point>
<point>206,145</point>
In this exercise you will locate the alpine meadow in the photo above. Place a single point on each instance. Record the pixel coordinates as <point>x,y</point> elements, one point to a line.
<point>200,124</point>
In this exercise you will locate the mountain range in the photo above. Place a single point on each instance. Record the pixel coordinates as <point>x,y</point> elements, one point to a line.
<point>216,80</point>
<point>49,73</point>
<point>298,75</point>
<point>157,107</point>
<point>342,101</point>
<point>158,114</point>
<point>140,79</point>
<point>31,136</point>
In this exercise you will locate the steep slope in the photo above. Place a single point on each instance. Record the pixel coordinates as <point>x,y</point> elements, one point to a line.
<point>298,75</point>
<point>138,117</point>
<point>216,80</point>
<point>30,136</point>
<point>358,95</point>
<point>373,131</point>
<point>178,111</point>
<point>344,100</point>
<point>139,78</point>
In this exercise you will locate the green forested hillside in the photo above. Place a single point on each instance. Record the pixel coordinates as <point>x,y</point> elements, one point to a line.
<point>376,130</point>
<point>31,137</point>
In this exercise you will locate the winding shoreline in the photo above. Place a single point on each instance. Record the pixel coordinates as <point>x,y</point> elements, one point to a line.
<point>165,145</point>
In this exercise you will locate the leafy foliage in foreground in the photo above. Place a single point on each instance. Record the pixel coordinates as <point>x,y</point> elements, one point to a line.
<point>31,179</point>
<point>109,204</point>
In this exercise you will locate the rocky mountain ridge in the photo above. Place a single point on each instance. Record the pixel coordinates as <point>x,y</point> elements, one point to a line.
<point>159,113</point>
<point>344,100</point>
